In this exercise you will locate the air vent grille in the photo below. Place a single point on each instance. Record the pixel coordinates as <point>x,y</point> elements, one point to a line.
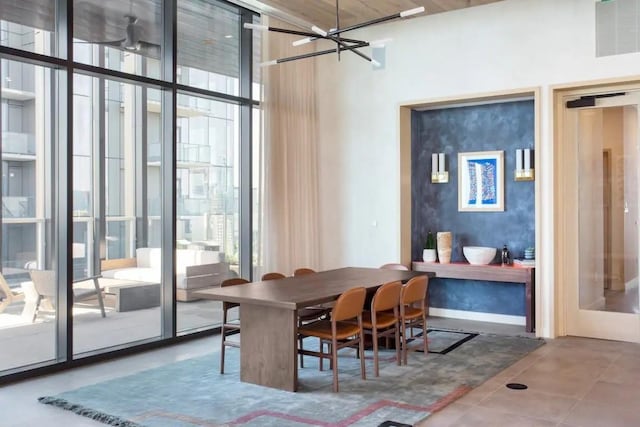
<point>617,27</point>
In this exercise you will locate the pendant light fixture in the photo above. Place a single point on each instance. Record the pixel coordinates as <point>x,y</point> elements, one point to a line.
<point>334,35</point>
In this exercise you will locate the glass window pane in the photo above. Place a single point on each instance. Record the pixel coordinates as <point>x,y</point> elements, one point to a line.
<point>124,249</point>
<point>256,90</point>
<point>122,35</point>
<point>27,323</point>
<point>28,25</point>
<point>207,204</point>
<point>208,45</point>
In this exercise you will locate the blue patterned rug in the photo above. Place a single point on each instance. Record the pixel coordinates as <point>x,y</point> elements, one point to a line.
<point>193,393</point>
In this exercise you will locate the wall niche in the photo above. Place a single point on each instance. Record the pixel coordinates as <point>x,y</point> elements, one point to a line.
<point>507,126</point>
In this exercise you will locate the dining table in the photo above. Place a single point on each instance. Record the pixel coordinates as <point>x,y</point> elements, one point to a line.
<point>268,313</point>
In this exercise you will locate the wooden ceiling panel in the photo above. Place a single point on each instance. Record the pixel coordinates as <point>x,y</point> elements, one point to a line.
<point>323,12</point>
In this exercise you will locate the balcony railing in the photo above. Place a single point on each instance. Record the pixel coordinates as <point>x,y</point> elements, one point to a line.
<point>18,143</point>
<point>186,153</point>
<point>18,207</point>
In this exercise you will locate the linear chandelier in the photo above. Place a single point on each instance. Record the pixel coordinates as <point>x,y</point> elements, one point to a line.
<point>334,35</point>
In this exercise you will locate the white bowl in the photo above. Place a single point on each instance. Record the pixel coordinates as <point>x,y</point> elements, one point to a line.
<point>479,255</point>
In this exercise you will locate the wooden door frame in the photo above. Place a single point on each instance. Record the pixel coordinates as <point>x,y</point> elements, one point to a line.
<point>563,257</point>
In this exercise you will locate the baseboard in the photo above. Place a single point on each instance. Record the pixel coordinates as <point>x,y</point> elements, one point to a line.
<point>478,316</point>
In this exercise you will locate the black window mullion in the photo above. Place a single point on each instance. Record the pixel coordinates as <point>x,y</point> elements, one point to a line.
<point>168,168</point>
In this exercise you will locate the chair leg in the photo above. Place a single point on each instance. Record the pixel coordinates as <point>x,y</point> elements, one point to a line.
<point>404,341</point>
<point>398,352</point>
<point>99,294</point>
<point>321,358</point>
<point>300,345</point>
<point>424,333</point>
<point>35,311</point>
<point>334,360</point>
<point>374,337</point>
<point>222,339</point>
<point>5,303</point>
<point>363,373</point>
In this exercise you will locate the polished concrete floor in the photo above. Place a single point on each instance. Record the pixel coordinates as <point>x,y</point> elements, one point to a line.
<point>574,382</point>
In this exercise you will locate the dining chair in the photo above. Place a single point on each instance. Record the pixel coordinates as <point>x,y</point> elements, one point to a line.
<point>8,295</point>
<point>272,276</point>
<point>394,266</point>
<point>339,332</point>
<point>229,327</point>
<point>303,271</point>
<point>306,314</point>
<point>309,314</point>
<point>413,312</point>
<point>383,319</point>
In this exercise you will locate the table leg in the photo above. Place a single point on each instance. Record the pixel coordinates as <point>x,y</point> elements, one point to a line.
<point>530,306</point>
<point>268,346</point>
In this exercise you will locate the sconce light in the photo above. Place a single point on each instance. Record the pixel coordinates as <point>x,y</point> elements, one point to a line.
<point>524,165</point>
<point>438,173</point>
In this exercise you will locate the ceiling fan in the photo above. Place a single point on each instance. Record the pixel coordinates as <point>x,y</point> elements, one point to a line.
<point>132,39</point>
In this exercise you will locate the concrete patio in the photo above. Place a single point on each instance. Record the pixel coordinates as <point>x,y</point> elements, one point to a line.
<point>25,343</point>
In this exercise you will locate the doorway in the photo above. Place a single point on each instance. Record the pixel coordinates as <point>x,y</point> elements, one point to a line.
<point>597,148</point>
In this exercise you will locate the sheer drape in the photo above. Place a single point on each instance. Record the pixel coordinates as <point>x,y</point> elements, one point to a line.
<point>290,155</point>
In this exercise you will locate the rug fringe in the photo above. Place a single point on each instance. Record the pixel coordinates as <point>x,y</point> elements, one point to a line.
<point>87,412</point>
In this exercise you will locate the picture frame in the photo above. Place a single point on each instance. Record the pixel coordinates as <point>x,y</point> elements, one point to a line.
<point>481,181</point>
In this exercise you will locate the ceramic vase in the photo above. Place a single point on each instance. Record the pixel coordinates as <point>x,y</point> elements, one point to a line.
<point>444,246</point>
<point>429,255</point>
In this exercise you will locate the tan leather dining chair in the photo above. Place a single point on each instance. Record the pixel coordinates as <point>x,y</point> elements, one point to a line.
<point>340,331</point>
<point>303,271</point>
<point>394,266</point>
<point>229,327</point>
<point>272,276</point>
<point>383,319</point>
<point>309,314</point>
<point>413,311</point>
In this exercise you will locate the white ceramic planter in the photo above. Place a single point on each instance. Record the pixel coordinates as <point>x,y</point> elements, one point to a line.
<point>429,255</point>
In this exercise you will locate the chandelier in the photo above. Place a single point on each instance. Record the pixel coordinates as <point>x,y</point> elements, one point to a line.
<point>334,35</point>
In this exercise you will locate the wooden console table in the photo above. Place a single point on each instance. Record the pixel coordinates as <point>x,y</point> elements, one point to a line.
<point>491,273</point>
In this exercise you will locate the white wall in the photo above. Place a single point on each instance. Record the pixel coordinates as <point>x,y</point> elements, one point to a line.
<point>511,44</point>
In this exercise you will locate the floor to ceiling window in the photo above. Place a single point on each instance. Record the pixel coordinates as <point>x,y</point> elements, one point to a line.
<point>28,148</point>
<point>123,190</point>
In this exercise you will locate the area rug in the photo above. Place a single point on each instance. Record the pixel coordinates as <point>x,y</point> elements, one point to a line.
<point>192,392</point>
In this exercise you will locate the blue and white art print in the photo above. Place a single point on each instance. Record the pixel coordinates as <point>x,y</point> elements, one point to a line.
<point>481,181</point>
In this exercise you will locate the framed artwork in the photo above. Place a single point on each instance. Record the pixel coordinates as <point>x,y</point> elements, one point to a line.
<point>481,181</point>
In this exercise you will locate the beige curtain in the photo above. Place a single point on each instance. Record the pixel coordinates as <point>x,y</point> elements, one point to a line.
<point>290,158</point>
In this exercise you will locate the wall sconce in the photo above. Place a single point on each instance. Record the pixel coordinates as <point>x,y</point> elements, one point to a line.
<point>524,165</point>
<point>438,173</point>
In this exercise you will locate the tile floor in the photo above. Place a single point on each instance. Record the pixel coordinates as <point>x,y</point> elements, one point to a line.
<point>573,382</point>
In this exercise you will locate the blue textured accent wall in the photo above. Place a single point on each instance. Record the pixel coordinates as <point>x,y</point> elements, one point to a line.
<point>499,126</point>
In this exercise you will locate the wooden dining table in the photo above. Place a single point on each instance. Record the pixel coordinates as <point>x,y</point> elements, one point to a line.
<point>268,344</point>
